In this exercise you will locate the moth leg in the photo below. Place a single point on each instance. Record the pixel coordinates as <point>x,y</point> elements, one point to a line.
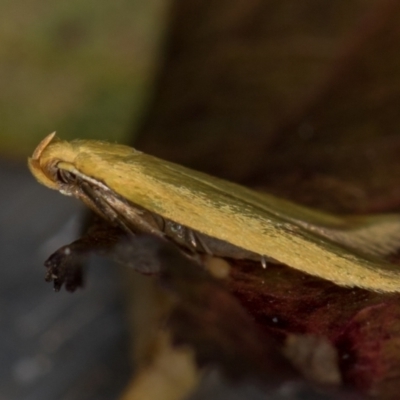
<point>108,205</point>
<point>160,222</point>
<point>197,243</point>
<point>203,244</point>
<point>108,212</point>
<point>66,265</point>
<point>192,239</point>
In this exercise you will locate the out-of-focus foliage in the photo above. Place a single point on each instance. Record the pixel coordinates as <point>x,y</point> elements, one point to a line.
<point>81,68</point>
<point>271,81</point>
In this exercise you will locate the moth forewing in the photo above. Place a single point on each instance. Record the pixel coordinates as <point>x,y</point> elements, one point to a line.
<point>230,213</point>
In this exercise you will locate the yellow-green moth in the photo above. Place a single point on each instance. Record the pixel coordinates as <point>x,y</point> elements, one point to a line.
<point>202,213</point>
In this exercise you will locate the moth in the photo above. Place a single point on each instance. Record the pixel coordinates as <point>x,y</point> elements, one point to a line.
<point>204,214</point>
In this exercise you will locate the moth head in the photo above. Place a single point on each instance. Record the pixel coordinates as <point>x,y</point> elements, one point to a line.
<point>52,164</point>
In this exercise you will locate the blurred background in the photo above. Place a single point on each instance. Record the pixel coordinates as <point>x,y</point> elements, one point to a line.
<point>85,69</point>
<point>75,67</point>
<point>300,98</point>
